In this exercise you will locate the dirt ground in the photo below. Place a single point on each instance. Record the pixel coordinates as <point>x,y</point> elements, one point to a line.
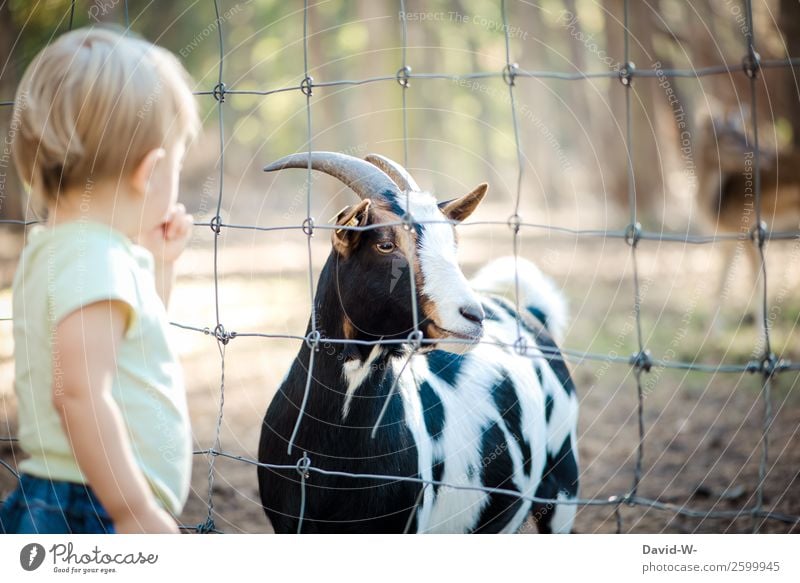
<point>702,431</point>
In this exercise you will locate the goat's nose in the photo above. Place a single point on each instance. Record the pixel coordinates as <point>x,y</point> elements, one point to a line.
<point>473,313</point>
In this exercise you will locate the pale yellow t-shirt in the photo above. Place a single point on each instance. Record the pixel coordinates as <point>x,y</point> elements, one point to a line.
<point>60,270</point>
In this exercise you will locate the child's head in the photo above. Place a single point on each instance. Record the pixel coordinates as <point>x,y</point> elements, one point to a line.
<point>97,106</point>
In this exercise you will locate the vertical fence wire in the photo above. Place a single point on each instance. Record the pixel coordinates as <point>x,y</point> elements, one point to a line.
<point>221,335</point>
<point>639,361</point>
<point>752,67</point>
<point>403,79</point>
<point>312,340</point>
<point>514,221</point>
<point>314,334</point>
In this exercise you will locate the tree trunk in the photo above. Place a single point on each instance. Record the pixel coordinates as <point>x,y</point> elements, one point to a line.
<point>614,157</point>
<point>649,164</point>
<point>790,26</point>
<point>11,203</point>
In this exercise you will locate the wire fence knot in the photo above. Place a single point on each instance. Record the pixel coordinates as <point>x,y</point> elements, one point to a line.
<point>415,339</point>
<point>751,63</point>
<point>312,340</point>
<point>515,223</point>
<point>521,346</point>
<point>771,364</point>
<point>642,360</point>
<point>307,86</point>
<point>617,502</point>
<point>758,234</point>
<point>408,222</point>
<point>216,224</point>
<point>510,73</point>
<point>206,527</point>
<point>626,74</point>
<point>403,76</point>
<point>303,466</point>
<point>308,226</point>
<point>221,335</point>
<point>633,234</point>
<point>219,92</point>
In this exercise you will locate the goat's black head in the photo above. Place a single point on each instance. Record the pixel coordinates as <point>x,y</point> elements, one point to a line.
<point>394,233</point>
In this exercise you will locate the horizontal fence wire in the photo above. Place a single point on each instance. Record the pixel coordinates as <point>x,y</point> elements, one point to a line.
<point>642,235</point>
<point>611,501</point>
<point>521,73</point>
<point>767,364</point>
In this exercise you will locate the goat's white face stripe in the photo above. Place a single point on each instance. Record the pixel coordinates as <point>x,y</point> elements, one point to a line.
<point>443,281</point>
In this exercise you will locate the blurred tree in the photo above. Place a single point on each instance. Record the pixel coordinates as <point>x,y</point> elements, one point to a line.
<point>347,40</point>
<point>790,25</point>
<point>10,187</point>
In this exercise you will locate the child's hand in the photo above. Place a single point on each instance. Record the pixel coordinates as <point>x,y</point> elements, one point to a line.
<point>167,241</point>
<point>153,521</point>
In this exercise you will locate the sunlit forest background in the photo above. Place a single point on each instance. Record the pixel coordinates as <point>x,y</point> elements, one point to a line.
<point>688,135</point>
<point>460,132</point>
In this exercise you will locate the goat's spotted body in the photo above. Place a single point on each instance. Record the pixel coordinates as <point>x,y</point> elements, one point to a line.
<point>482,420</point>
<point>479,414</point>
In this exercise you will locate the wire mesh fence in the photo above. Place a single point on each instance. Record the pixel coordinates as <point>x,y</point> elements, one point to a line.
<point>765,363</point>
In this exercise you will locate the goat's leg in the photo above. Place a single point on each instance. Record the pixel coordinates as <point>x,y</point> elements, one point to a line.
<point>559,482</point>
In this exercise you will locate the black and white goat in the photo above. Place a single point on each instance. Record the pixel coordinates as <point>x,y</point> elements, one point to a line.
<point>473,413</point>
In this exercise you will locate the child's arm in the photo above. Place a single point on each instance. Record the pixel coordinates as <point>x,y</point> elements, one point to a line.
<point>86,344</point>
<point>164,277</point>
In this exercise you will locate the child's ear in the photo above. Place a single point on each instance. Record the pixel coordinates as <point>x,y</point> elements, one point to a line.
<point>143,171</point>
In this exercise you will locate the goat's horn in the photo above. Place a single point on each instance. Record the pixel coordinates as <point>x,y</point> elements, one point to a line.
<point>396,172</point>
<point>366,180</point>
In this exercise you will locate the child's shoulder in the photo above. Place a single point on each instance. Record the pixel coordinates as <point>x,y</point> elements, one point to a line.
<point>77,263</point>
<point>78,239</point>
<point>77,249</point>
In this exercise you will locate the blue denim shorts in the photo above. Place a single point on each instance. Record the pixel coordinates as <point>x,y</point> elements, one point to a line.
<point>40,506</point>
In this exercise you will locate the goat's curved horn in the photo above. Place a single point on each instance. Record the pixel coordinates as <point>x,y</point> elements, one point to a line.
<point>396,172</point>
<point>366,180</point>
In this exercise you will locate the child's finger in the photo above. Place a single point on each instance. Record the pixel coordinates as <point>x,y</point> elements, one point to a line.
<point>170,215</point>
<point>172,228</point>
<point>180,227</point>
<point>176,218</point>
<point>174,212</point>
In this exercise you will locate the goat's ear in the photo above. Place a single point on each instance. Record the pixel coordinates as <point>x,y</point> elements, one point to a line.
<point>344,240</point>
<point>459,209</point>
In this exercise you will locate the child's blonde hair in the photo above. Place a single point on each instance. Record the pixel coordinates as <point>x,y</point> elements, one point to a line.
<point>91,105</point>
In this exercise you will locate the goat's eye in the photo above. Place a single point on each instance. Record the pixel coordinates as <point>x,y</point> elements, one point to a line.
<point>385,247</point>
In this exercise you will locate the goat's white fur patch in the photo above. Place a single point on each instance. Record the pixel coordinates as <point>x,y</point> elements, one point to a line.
<point>356,372</point>
<point>443,281</point>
